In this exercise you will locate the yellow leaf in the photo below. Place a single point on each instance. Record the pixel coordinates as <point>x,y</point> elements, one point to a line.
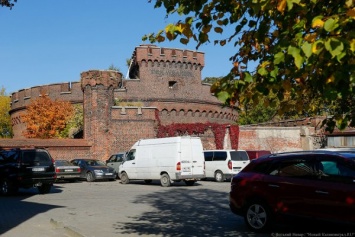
<point>281,5</point>
<point>317,23</point>
<point>352,45</point>
<point>330,79</point>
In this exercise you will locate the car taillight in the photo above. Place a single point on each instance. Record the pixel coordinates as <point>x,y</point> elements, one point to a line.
<point>79,170</point>
<point>57,170</point>
<point>178,166</point>
<point>230,165</point>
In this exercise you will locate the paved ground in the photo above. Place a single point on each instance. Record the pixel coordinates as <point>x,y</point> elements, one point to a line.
<point>113,209</point>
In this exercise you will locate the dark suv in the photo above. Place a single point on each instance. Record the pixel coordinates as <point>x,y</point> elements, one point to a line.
<point>26,168</point>
<point>319,185</point>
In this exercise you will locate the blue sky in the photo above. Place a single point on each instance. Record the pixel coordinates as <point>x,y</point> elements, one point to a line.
<point>50,41</point>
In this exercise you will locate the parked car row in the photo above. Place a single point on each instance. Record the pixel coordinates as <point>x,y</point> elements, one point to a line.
<point>30,167</point>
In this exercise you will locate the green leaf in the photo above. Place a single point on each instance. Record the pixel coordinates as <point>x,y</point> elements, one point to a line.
<point>262,71</point>
<point>331,24</point>
<point>334,46</point>
<point>274,72</point>
<point>295,52</point>
<point>222,96</point>
<point>279,57</point>
<point>307,49</point>
<point>248,77</point>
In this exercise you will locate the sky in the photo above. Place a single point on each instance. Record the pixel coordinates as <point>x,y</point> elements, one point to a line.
<point>49,41</point>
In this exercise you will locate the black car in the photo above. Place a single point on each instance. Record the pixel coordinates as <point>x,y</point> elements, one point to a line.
<point>26,168</point>
<point>92,170</point>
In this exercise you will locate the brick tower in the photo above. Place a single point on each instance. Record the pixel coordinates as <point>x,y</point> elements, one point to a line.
<point>98,87</point>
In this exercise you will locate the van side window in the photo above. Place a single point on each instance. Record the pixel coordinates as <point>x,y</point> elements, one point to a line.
<point>131,155</point>
<point>220,156</point>
<point>208,155</point>
<point>239,155</point>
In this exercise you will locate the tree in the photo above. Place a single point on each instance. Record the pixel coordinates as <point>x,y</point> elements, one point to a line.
<point>211,80</point>
<point>46,118</point>
<point>75,123</point>
<point>302,48</point>
<point>5,119</point>
<point>7,3</point>
<point>113,68</point>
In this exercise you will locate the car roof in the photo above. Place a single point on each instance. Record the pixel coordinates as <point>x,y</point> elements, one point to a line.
<point>308,152</point>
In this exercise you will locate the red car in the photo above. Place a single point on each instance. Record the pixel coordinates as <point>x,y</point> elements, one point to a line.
<point>319,185</point>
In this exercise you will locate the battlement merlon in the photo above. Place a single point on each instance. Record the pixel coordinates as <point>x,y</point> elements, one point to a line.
<point>106,78</point>
<point>154,53</point>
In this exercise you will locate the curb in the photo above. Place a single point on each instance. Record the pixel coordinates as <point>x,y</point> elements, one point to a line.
<point>70,231</point>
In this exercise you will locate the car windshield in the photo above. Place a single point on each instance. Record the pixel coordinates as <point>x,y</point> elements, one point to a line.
<point>239,155</point>
<point>94,163</point>
<point>62,163</point>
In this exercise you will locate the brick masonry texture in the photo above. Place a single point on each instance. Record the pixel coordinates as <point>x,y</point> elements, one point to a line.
<point>162,80</point>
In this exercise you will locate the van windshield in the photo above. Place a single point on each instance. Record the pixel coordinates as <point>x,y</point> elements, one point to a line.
<point>239,155</point>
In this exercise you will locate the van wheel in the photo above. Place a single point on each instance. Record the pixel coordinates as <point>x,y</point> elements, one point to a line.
<point>218,176</point>
<point>257,216</point>
<point>147,181</point>
<point>189,182</point>
<point>90,177</point>
<point>124,178</point>
<point>7,188</point>
<point>165,180</point>
<point>44,188</point>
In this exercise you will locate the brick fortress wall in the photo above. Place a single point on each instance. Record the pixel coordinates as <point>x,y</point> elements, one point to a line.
<point>165,82</point>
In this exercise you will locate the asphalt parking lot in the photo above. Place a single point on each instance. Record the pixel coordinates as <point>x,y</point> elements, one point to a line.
<point>113,209</point>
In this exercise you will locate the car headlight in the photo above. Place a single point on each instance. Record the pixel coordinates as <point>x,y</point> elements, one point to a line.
<point>98,171</point>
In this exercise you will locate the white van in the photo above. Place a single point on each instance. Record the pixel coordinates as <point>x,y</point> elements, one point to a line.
<point>224,164</point>
<point>165,159</point>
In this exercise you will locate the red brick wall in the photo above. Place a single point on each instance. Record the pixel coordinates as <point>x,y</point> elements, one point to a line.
<point>58,148</point>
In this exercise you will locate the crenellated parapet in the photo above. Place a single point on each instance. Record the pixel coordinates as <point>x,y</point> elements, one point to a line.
<point>152,53</point>
<point>68,91</point>
<point>106,78</point>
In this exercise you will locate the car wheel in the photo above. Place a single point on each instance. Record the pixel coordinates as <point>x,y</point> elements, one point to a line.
<point>89,177</point>
<point>189,182</point>
<point>44,188</point>
<point>218,176</point>
<point>257,216</point>
<point>147,181</point>
<point>7,188</point>
<point>124,178</point>
<point>165,180</point>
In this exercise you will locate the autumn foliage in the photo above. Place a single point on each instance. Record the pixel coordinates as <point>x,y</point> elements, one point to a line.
<point>46,118</point>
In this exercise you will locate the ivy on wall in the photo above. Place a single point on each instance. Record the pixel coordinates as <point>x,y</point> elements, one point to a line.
<point>180,129</point>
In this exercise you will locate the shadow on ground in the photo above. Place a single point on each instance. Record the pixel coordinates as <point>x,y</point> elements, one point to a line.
<point>15,210</point>
<point>182,211</point>
<point>185,212</point>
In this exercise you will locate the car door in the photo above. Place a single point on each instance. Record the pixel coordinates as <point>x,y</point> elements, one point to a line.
<point>290,185</point>
<point>335,191</point>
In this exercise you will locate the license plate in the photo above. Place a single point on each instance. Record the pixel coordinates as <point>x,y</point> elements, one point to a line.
<point>108,174</point>
<point>38,169</point>
<point>68,170</point>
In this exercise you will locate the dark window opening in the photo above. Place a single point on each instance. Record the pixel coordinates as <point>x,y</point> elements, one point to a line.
<point>172,84</point>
